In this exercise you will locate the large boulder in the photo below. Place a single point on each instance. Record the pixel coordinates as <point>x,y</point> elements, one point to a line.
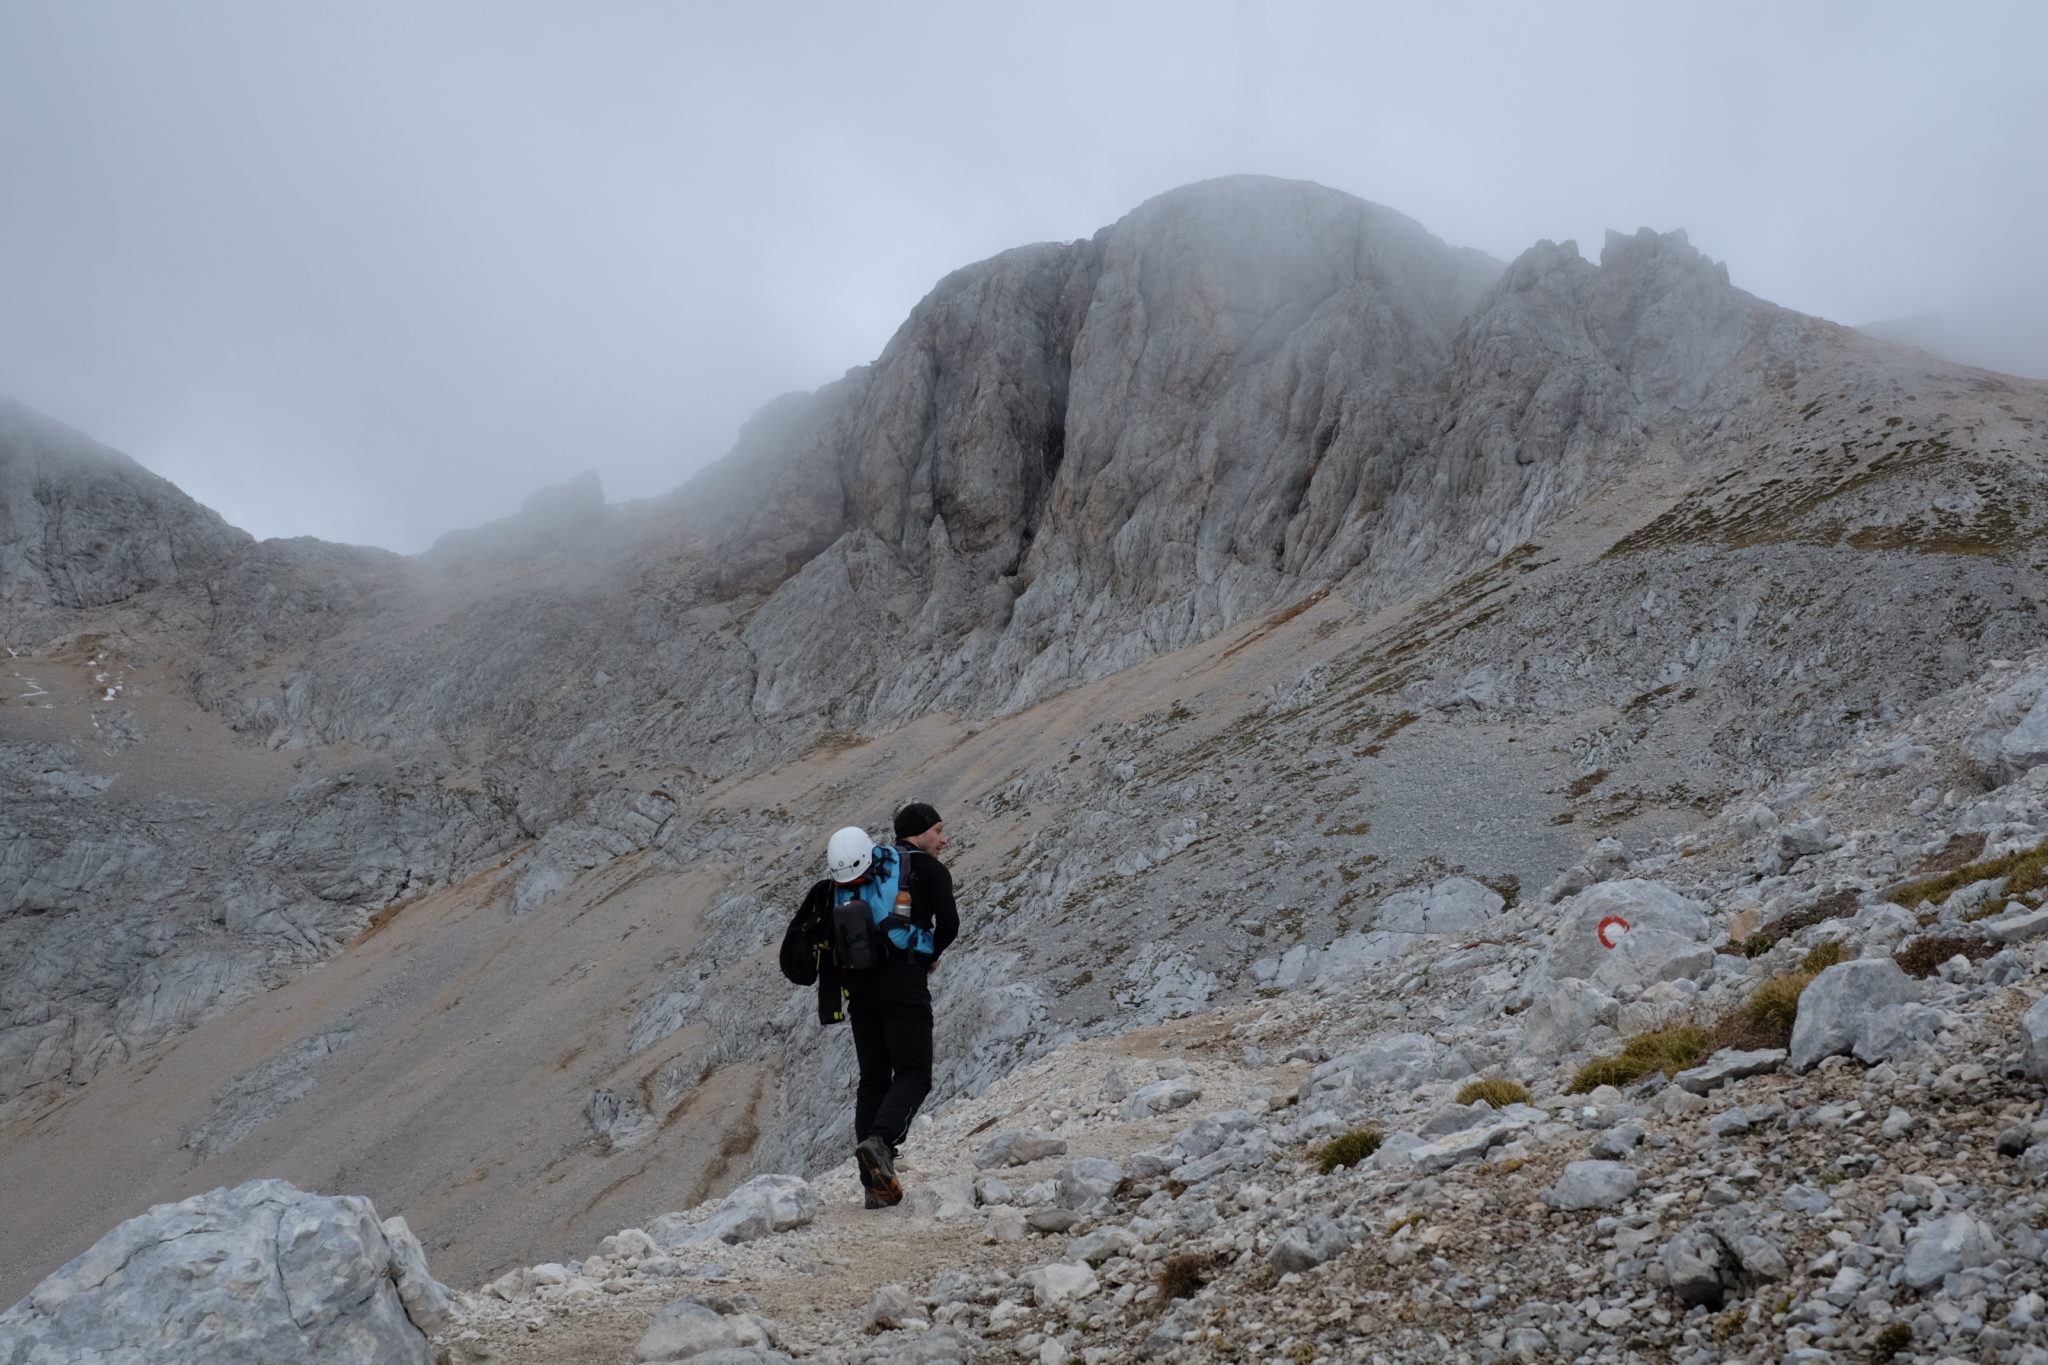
<point>2034,1040</point>
<point>1957,1242</point>
<point>1643,957</point>
<point>1839,1004</point>
<point>263,1273</point>
<point>765,1204</point>
<point>1566,1016</point>
<point>1577,949</point>
<point>2026,744</point>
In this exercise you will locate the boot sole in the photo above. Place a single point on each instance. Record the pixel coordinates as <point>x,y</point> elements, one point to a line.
<point>881,1181</point>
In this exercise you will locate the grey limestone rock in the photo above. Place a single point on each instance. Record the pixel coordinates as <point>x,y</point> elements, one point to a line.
<point>1058,1283</point>
<point>1161,1097</point>
<point>1309,1245</point>
<point>1900,1033</point>
<point>1592,1185</point>
<point>1728,1065</point>
<point>1018,1147</point>
<point>1946,1245</point>
<point>1577,949</point>
<point>2034,1039</point>
<point>1212,1131</point>
<point>262,1272</point>
<point>1697,1267</point>
<point>951,1196</point>
<point>2026,744</point>
<point>691,1330</point>
<point>2023,926</point>
<point>1568,1015</point>
<point>1648,955</point>
<point>1467,1145</point>
<point>85,526</point>
<point>1454,905</point>
<point>892,1306</point>
<point>1099,1245</point>
<point>1402,1061</point>
<point>1802,838</point>
<point>1082,1182</point>
<point>766,1204</point>
<point>1834,1009</point>
<point>1052,1219</point>
<point>1614,1144</point>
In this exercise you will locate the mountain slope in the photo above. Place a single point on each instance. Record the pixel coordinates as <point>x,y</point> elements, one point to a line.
<point>1218,576</point>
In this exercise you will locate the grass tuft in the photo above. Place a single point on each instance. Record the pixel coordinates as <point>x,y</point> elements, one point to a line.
<point>1182,1277</point>
<point>1822,956</point>
<point>1924,956</point>
<point>1668,1050</point>
<point>1496,1091</point>
<point>2024,871</point>
<point>1348,1149</point>
<point>1892,1340</point>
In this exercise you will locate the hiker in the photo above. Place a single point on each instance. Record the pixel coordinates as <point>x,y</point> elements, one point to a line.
<point>891,1009</point>
<point>869,935</point>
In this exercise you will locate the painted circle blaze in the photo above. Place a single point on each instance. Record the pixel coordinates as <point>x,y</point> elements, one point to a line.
<point>1610,930</point>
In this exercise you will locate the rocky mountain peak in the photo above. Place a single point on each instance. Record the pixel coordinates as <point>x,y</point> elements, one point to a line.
<point>84,526</point>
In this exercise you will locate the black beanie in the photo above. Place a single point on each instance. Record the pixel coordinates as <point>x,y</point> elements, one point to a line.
<point>914,819</point>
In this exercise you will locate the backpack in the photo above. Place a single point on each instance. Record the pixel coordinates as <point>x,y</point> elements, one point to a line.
<point>875,918</point>
<point>807,953</point>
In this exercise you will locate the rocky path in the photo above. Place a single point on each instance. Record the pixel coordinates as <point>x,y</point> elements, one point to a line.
<point>1790,1216</point>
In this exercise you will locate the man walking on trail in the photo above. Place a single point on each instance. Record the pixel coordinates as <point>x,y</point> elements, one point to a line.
<point>890,1008</point>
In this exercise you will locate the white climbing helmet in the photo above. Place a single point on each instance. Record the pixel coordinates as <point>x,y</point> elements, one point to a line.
<point>848,853</point>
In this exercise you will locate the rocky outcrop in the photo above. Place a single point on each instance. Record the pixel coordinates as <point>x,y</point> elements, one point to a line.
<point>259,1273</point>
<point>82,526</point>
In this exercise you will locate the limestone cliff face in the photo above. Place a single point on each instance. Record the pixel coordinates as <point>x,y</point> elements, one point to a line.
<point>1069,458</point>
<point>83,526</point>
<point>1072,458</point>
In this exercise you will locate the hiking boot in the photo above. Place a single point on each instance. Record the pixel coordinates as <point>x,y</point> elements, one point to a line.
<point>877,1162</point>
<point>876,1200</point>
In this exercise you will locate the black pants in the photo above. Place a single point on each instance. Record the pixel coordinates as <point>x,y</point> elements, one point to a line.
<point>890,1009</point>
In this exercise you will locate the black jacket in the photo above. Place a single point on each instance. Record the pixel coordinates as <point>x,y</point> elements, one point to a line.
<point>806,956</point>
<point>931,897</point>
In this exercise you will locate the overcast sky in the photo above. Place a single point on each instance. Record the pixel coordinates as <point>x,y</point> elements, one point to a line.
<point>374,271</point>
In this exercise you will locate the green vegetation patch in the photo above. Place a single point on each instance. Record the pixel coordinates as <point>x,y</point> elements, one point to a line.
<point>1822,956</point>
<point>1496,1091</point>
<point>1581,786</point>
<point>1182,1277</point>
<point>1766,1018</point>
<point>1924,956</point>
<point>1347,1149</point>
<point>1669,1050</point>
<point>2025,871</point>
